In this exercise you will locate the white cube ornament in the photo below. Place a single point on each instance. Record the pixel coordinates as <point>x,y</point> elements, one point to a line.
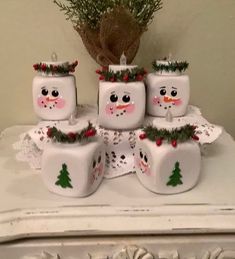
<point>54,92</point>
<point>74,169</point>
<point>167,167</point>
<point>168,89</point>
<point>122,101</point>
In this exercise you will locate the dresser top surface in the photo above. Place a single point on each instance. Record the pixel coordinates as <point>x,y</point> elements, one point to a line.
<point>27,208</point>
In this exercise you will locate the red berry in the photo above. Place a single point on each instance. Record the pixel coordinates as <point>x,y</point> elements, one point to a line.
<point>126,78</point>
<point>174,143</point>
<point>72,135</point>
<point>142,136</point>
<point>49,132</point>
<point>44,67</point>
<point>75,63</point>
<point>112,79</point>
<point>145,72</point>
<point>159,142</point>
<point>101,78</point>
<point>90,133</point>
<point>139,77</point>
<point>98,71</point>
<point>195,137</point>
<point>36,66</point>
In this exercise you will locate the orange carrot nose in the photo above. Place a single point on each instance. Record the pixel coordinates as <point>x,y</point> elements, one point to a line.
<point>51,100</point>
<point>169,99</point>
<point>120,107</point>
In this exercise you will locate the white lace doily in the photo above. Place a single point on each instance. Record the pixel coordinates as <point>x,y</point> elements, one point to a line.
<point>119,144</point>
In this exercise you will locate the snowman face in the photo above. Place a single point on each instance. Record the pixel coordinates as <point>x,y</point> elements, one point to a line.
<point>97,167</point>
<point>121,105</point>
<point>50,98</point>
<point>54,98</point>
<point>142,162</point>
<point>167,97</point>
<point>168,92</point>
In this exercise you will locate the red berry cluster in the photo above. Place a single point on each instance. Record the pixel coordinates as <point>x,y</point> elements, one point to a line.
<point>133,75</point>
<point>55,69</point>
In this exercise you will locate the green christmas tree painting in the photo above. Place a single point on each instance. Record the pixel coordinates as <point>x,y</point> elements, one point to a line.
<point>175,178</point>
<point>63,178</point>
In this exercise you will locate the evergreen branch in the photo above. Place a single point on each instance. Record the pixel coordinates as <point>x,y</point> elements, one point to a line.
<point>55,69</point>
<point>133,75</point>
<point>182,134</point>
<point>90,12</point>
<point>172,66</point>
<point>71,137</point>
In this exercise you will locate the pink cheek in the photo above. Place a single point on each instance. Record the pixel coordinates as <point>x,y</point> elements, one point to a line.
<point>41,101</point>
<point>60,103</point>
<point>156,100</point>
<point>110,109</point>
<point>178,102</point>
<point>148,172</point>
<point>130,108</point>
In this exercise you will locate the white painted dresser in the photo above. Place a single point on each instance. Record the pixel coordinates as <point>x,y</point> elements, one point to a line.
<point>122,220</point>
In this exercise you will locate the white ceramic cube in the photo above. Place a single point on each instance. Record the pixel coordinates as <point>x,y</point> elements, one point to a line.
<point>54,97</point>
<point>167,92</point>
<point>121,105</point>
<point>74,170</point>
<point>165,169</point>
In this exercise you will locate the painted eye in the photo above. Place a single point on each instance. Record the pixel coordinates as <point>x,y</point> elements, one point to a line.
<point>113,98</point>
<point>99,159</point>
<point>145,159</point>
<point>163,92</point>
<point>126,98</point>
<point>44,92</point>
<point>94,164</point>
<point>173,93</point>
<point>55,93</point>
<point>141,154</point>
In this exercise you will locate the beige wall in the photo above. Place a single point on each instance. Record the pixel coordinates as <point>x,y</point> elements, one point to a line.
<point>201,31</point>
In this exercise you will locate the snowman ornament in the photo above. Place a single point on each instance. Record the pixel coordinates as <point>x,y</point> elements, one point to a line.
<point>122,96</point>
<point>168,88</point>
<point>167,157</point>
<point>54,90</point>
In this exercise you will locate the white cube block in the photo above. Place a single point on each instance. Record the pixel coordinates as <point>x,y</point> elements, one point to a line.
<point>74,170</point>
<point>166,169</point>
<point>54,97</point>
<point>121,105</point>
<point>167,92</point>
